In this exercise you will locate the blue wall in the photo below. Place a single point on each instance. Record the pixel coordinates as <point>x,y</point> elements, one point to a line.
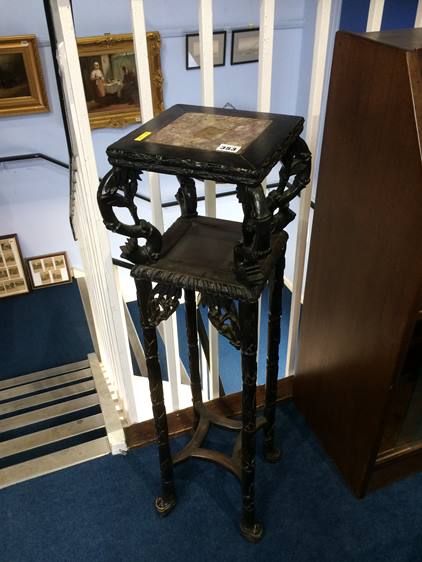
<point>397,14</point>
<point>34,195</point>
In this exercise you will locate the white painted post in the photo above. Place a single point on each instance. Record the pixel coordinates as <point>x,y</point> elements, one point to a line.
<point>147,113</point>
<point>418,18</point>
<point>206,49</point>
<point>266,40</point>
<point>95,247</point>
<point>265,71</point>
<point>206,45</point>
<point>376,9</point>
<point>322,27</point>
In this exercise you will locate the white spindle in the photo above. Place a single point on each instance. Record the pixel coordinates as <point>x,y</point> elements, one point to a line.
<point>265,70</point>
<point>322,27</point>
<point>206,50</point>
<point>144,85</point>
<point>266,40</point>
<point>376,9</point>
<point>206,45</point>
<point>95,247</point>
<point>418,18</point>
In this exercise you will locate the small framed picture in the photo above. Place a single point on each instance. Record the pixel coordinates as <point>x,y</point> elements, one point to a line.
<point>245,46</point>
<point>48,270</point>
<point>13,280</point>
<point>193,55</point>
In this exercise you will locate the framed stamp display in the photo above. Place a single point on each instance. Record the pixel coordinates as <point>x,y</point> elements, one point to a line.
<point>193,54</point>
<point>12,273</point>
<point>21,82</point>
<point>48,270</point>
<point>109,78</point>
<point>245,46</point>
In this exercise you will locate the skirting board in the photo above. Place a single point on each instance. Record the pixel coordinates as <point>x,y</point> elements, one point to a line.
<point>143,433</point>
<point>396,465</point>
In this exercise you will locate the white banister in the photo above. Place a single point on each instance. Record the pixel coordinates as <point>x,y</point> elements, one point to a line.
<point>322,28</point>
<point>206,49</point>
<point>265,71</point>
<point>206,54</point>
<point>376,10</point>
<point>418,18</point>
<point>266,40</point>
<point>145,94</point>
<point>144,86</point>
<point>94,243</point>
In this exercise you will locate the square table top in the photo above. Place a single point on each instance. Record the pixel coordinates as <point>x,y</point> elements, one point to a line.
<point>224,145</point>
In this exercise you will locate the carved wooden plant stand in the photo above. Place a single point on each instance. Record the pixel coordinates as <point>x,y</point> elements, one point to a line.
<point>227,262</point>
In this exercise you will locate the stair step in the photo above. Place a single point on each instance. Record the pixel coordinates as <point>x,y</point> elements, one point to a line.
<point>44,384</point>
<point>49,412</point>
<point>50,435</point>
<point>45,397</point>
<point>54,461</point>
<point>39,452</point>
<point>46,373</point>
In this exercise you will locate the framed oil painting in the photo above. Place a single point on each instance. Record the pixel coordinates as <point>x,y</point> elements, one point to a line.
<point>12,273</point>
<point>21,83</point>
<point>48,270</point>
<point>193,49</point>
<point>245,46</point>
<point>110,82</point>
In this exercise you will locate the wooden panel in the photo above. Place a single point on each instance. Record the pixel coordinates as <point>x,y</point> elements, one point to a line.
<point>364,272</point>
<point>143,433</point>
<point>396,465</point>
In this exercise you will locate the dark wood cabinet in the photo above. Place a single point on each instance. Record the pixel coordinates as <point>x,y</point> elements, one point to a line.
<point>359,370</point>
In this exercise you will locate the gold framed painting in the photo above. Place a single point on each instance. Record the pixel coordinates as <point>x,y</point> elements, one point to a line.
<point>21,82</point>
<point>12,273</point>
<point>48,270</point>
<point>109,78</point>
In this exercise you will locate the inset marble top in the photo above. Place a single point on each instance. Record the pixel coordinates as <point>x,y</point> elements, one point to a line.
<point>224,145</point>
<point>224,133</point>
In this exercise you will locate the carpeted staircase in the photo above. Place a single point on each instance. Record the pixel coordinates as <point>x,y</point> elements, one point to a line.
<point>49,420</point>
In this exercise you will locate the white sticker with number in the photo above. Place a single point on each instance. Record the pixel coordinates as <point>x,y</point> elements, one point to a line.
<point>228,148</point>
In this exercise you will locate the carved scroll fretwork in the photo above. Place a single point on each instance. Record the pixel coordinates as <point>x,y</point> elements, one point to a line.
<point>260,216</point>
<point>223,315</point>
<point>118,189</point>
<point>186,196</point>
<point>162,302</point>
<point>296,162</point>
<point>256,230</point>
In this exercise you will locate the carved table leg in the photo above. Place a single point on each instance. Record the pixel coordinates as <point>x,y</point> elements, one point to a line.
<point>256,233</point>
<point>192,333</point>
<point>248,317</point>
<point>166,502</point>
<point>271,453</point>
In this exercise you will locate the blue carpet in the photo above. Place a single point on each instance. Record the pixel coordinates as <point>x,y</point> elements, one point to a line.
<point>43,329</point>
<point>102,511</point>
